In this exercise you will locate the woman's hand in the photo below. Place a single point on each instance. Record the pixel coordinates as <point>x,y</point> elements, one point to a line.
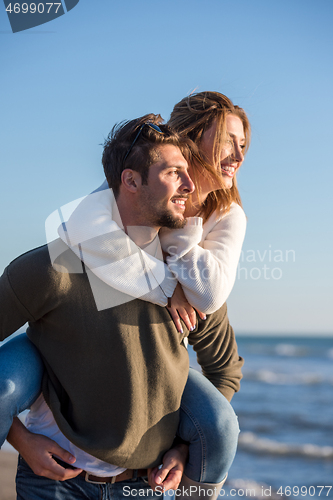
<point>169,475</point>
<point>180,308</point>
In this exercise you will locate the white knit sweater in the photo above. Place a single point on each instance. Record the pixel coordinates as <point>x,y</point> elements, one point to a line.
<point>202,257</point>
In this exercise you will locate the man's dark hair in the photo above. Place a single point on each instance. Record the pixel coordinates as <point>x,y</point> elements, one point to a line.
<point>119,155</point>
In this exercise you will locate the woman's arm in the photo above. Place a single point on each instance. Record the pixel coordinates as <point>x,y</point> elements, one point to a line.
<point>95,234</point>
<point>204,266</point>
<point>204,259</point>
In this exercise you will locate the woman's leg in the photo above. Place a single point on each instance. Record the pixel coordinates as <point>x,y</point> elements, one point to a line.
<point>209,424</point>
<point>21,371</point>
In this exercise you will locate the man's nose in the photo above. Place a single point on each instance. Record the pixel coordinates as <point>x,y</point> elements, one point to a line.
<point>187,184</point>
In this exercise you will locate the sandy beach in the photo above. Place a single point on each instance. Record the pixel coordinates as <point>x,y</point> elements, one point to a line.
<point>8,463</point>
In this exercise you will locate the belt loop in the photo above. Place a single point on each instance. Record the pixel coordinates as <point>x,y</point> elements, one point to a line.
<point>113,480</point>
<point>135,474</point>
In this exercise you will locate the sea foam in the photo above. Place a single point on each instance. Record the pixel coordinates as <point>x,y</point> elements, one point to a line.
<point>271,377</point>
<point>252,443</point>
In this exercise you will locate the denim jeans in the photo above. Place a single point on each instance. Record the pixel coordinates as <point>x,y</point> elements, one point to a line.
<point>209,424</point>
<point>207,420</point>
<point>21,371</point>
<point>29,486</point>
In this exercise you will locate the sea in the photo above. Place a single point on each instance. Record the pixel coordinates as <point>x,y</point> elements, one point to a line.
<point>285,412</point>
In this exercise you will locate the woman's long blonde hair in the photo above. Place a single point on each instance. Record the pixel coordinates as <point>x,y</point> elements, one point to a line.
<point>191,117</point>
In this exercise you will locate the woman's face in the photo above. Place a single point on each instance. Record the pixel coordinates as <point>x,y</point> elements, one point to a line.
<point>232,152</point>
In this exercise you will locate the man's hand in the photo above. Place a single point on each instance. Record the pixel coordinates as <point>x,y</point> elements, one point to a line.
<point>180,308</point>
<point>170,474</point>
<point>38,451</point>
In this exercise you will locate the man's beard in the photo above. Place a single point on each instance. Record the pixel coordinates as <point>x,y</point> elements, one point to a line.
<point>158,215</point>
<point>166,219</point>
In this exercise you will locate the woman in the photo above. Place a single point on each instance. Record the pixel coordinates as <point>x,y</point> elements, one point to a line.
<point>210,120</point>
<point>222,133</point>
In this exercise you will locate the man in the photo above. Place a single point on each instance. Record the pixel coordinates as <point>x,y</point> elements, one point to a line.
<point>115,375</point>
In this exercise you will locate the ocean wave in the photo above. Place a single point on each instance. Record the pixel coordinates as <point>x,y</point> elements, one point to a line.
<point>291,350</point>
<point>252,443</point>
<point>270,377</point>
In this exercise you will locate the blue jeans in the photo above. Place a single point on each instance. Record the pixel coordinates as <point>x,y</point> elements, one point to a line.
<point>32,487</point>
<point>207,420</point>
<point>209,424</point>
<point>21,371</point>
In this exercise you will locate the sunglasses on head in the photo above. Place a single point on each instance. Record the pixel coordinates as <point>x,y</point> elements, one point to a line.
<point>148,124</point>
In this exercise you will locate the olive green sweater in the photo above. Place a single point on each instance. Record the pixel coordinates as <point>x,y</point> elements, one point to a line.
<point>114,378</point>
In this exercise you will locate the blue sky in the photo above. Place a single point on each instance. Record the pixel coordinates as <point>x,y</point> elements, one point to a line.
<point>64,84</point>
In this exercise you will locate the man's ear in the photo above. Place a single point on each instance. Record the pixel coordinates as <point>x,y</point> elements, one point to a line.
<point>131,180</point>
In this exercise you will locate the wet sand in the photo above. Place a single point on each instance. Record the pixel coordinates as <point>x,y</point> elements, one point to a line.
<point>8,463</point>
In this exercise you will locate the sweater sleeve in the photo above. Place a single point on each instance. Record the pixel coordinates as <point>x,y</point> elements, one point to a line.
<point>215,345</point>
<point>206,269</point>
<point>95,237</point>
<point>13,313</point>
